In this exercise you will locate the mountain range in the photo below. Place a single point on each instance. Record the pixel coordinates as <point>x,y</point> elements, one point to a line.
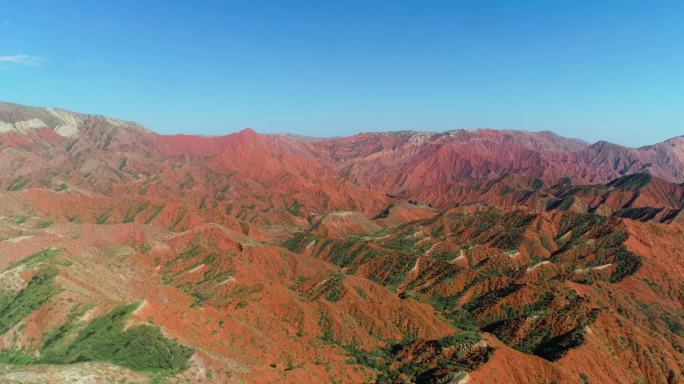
<point>476,256</point>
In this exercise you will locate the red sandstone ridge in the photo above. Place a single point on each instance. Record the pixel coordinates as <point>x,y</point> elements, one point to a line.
<point>409,257</point>
<point>106,155</point>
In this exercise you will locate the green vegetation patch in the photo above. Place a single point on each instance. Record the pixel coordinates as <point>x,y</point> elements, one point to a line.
<point>192,250</point>
<point>37,258</point>
<point>298,241</point>
<point>490,298</point>
<point>103,217</point>
<point>540,339</point>
<point>592,241</point>
<point>502,230</point>
<point>45,224</point>
<point>179,218</point>
<point>21,219</point>
<point>632,182</point>
<point>295,208</point>
<point>345,253</point>
<point>56,340</point>
<point>155,211</point>
<point>138,347</point>
<point>537,184</point>
<point>15,307</point>
<point>334,290</point>
<point>641,213</point>
<point>18,184</point>
<point>131,214</point>
<point>627,264</point>
<point>437,361</point>
<point>560,204</point>
<point>15,357</point>
<point>450,308</point>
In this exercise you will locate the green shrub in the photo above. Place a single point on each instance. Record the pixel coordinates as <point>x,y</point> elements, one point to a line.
<point>15,357</point>
<point>627,264</point>
<point>344,254</point>
<point>460,338</point>
<point>37,258</point>
<point>298,241</point>
<point>384,360</point>
<point>45,224</point>
<point>334,290</point>
<point>632,182</point>
<point>21,219</point>
<point>155,212</point>
<point>450,308</point>
<point>295,208</point>
<point>537,184</point>
<point>103,217</point>
<point>18,184</point>
<point>139,347</point>
<point>488,299</point>
<point>15,307</point>
<point>53,340</point>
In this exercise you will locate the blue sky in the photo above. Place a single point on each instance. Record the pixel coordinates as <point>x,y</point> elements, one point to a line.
<point>594,70</point>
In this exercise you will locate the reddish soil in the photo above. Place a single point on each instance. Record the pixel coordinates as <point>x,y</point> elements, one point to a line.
<point>466,256</point>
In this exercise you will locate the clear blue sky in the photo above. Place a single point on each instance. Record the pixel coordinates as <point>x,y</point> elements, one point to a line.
<point>594,70</point>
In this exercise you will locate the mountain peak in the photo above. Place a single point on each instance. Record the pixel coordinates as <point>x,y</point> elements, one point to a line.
<point>247,132</point>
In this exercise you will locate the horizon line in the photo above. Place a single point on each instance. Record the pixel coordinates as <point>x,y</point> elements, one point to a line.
<point>312,137</point>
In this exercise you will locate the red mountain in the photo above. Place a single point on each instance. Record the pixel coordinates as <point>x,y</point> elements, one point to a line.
<point>381,257</point>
